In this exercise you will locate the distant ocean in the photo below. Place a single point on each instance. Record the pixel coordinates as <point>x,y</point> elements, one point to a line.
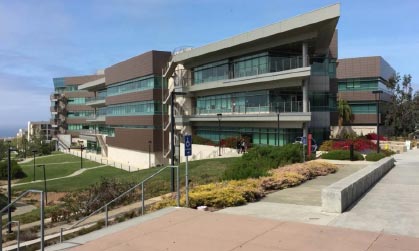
<point>6,132</point>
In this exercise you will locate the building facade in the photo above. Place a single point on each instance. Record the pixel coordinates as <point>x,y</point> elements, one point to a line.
<point>357,79</point>
<point>40,129</point>
<point>269,85</point>
<point>117,113</point>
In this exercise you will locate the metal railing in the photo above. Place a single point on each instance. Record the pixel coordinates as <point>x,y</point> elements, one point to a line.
<point>94,99</point>
<point>105,207</point>
<point>280,107</point>
<point>18,232</point>
<point>184,77</point>
<point>42,205</point>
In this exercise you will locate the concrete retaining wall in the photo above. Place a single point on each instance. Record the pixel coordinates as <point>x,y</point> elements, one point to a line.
<point>340,195</point>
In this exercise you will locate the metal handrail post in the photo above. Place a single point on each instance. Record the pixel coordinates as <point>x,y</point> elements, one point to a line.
<point>142,198</point>
<point>42,221</point>
<point>106,216</point>
<point>178,187</point>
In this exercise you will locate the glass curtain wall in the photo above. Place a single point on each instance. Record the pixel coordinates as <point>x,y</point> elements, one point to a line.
<point>276,100</point>
<point>245,66</point>
<point>257,136</point>
<point>135,85</point>
<point>134,109</point>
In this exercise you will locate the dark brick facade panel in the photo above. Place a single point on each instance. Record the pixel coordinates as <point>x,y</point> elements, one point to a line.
<point>75,108</point>
<point>136,139</point>
<point>362,67</point>
<point>134,120</point>
<point>370,119</point>
<point>79,94</point>
<point>363,96</point>
<point>79,80</point>
<point>154,94</point>
<point>145,64</point>
<point>76,120</point>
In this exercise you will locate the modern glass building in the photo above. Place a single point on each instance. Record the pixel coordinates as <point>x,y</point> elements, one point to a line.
<point>357,79</point>
<point>270,85</point>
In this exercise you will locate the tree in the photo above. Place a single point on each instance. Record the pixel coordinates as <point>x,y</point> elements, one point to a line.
<point>344,112</point>
<point>401,113</point>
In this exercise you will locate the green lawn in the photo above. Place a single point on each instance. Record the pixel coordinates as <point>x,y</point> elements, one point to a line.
<point>200,172</point>
<point>57,165</point>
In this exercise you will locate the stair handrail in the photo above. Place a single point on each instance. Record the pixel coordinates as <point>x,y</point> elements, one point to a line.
<point>18,232</point>
<point>123,194</point>
<point>41,200</point>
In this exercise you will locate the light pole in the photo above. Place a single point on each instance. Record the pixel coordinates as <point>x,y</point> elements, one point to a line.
<point>34,156</point>
<point>277,125</point>
<point>172,136</point>
<point>219,115</point>
<point>378,117</point>
<point>81,153</point>
<point>149,152</point>
<point>9,186</point>
<point>45,184</point>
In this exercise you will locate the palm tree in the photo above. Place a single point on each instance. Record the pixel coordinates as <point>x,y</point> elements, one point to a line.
<point>344,112</point>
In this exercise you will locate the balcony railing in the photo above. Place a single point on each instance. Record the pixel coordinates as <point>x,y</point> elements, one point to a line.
<point>275,64</point>
<point>95,99</point>
<point>281,107</point>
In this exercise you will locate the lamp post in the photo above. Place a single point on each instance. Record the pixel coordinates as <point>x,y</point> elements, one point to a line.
<point>219,115</point>
<point>45,184</point>
<point>34,161</point>
<point>378,117</point>
<point>172,136</point>
<point>81,153</point>
<point>149,153</point>
<point>277,125</point>
<point>9,186</point>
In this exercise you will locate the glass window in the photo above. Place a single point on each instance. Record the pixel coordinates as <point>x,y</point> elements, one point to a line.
<point>139,84</point>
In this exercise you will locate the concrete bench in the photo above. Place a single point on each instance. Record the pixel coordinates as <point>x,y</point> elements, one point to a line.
<point>340,195</point>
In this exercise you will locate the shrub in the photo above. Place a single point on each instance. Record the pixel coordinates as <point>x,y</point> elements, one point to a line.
<point>387,152</point>
<point>16,170</point>
<point>327,146</point>
<point>260,159</point>
<point>375,156</point>
<point>373,136</point>
<point>296,174</point>
<point>360,144</point>
<point>341,155</point>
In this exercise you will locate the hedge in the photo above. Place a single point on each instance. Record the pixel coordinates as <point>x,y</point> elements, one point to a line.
<point>375,156</point>
<point>341,155</point>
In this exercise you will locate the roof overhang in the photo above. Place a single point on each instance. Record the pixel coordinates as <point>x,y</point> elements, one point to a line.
<point>94,85</point>
<point>316,27</point>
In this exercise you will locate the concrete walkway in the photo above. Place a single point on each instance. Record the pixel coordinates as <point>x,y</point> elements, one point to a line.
<point>188,229</point>
<point>392,205</point>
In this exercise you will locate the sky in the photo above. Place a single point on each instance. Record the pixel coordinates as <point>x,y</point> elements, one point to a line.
<point>43,39</point>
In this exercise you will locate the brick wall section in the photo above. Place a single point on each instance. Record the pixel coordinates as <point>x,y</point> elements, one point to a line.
<point>370,119</point>
<point>79,80</point>
<point>364,67</point>
<point>154,94</point>
<point>75,108</point>
<point>79,94</point>
<point>363,96</point>
<point>76,120</point>
<point>136,139</point>
<point>151,62</point>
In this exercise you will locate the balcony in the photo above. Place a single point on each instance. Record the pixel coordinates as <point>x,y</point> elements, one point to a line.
<point>288,111</point>
<point>97,118</point>
<point>276,69</point>
<point>96,101</point>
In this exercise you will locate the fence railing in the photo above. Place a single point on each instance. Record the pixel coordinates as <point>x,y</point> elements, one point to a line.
<point>42,205</point>
<point>141,184</point>
<point>281,107</point>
